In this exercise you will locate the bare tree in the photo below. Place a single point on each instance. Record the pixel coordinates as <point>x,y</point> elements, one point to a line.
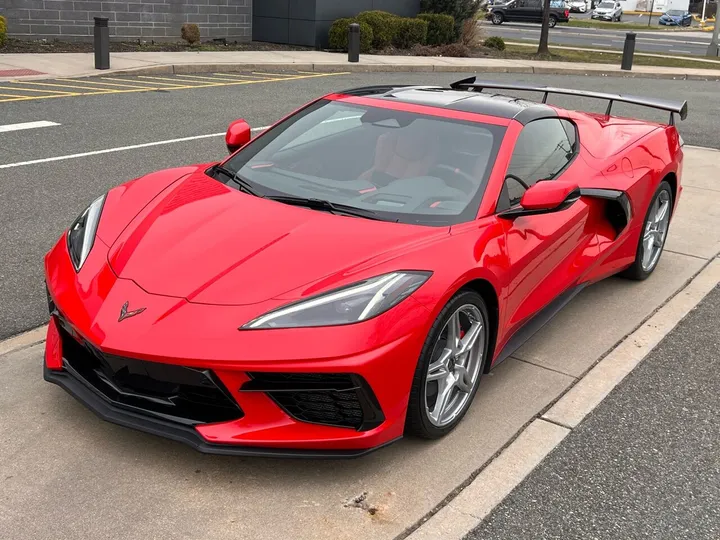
<point>545,30</point>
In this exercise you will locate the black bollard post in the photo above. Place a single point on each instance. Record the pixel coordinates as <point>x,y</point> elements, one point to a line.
<point>354,43</point>
<point>628,51</point>
<point>102,43</point>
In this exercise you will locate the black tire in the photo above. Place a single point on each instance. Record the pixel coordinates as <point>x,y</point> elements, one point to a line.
<point>619,18</point>
<point>417,422</point>
<point>552,21</point>
<point>497,18</point>
<point>636,271</point>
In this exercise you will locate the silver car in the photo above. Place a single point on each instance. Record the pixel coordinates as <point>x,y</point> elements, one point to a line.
<point>608,11</point>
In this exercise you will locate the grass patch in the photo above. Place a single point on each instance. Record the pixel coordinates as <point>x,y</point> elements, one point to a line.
<point>605,57</point>
<point>607,25</point>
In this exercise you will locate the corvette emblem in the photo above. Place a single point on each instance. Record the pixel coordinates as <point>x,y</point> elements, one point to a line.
<point>125,314</point>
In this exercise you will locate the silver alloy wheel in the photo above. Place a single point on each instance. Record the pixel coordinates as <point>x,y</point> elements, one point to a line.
<point>655,231</point>
<point>455,365</point>
<point>497,18</point>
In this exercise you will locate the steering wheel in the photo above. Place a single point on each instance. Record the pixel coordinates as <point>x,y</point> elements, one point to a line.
<point>518,180</point>
<point>455,178</point>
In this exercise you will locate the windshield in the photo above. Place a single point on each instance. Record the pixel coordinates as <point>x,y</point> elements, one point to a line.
<point>606,5</point>
<point>675,13</point>
<point>402,166</point>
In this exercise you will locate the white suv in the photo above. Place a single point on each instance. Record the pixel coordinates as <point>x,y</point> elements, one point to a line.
<point>608,11</point>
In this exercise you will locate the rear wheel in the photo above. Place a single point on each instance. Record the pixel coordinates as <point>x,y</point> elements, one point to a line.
<point>552,21</point>
<point>497,18</point>
<point>654,232</point>
<point>450,366</point>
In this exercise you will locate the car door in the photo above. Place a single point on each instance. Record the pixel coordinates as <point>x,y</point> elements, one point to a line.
<point>533,10</point>
<point>547,252</point>
<point>513,11</point>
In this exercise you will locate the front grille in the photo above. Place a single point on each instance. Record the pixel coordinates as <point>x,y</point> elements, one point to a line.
<point>180,394</point>
<point>334,399</point>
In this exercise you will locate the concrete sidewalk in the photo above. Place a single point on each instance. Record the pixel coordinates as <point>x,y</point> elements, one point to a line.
<point>54,65</point>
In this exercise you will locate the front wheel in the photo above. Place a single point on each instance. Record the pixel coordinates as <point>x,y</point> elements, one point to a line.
<point>552,21</point>
<point>497,18</point>
<point>654,232</point>
<point>449,368</point>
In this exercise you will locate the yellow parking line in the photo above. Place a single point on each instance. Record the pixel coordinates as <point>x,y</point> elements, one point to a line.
<point>239,75</point>
<point>105,83</point>
<point>65,86</point>
<point>173,79</point>
<point>171,87</point>
<point>13,96</point>
<point>36,90</point>
<point>214,79</point>
<point>272,74</point>
<point>142,82</point>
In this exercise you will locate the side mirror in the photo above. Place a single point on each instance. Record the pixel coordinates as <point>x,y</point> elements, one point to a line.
<point>544,197</point>
<point>238,135</point>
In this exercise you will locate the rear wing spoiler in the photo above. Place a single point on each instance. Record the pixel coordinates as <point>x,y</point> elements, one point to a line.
<point>673,107</point>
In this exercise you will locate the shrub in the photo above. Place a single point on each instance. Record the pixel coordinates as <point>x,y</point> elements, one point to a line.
<point>338,35</point>
<point>470,33</point>
<point>409,32</point>
<point>383,26</point>
<point>441,28</point>
<point>3,30</point>
<point>495,42</point>
<point>190,33</point>
<point>460,10</point>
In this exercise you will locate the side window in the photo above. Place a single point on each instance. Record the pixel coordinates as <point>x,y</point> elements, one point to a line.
<point>543,149</point>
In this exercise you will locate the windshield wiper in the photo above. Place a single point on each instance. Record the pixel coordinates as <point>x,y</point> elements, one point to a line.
<point>321,204</point>
<point>243,185</point>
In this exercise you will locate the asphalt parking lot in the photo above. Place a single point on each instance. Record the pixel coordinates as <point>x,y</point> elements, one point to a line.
<point>79,477</point>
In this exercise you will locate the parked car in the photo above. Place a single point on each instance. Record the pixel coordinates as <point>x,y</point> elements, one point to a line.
<point>528,11</point>
<point>349,275</point>
<point>676,17</point>
<point>608,11</point>
<point>580,6</point>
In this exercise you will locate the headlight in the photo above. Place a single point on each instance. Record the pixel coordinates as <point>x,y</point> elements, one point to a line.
<point>81,236</point>
<point>354,303</point>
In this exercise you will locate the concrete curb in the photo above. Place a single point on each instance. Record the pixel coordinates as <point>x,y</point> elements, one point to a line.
<point>180,69</point>
<point>516,461</point>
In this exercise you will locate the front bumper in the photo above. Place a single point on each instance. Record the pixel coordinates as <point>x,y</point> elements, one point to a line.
<point>345,419</point>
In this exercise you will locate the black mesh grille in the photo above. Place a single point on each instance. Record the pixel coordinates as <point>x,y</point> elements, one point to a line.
<point>335,399</point>
<point>176,393</point>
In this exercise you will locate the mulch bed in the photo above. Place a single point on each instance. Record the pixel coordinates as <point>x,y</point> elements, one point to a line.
<point>56,46</point>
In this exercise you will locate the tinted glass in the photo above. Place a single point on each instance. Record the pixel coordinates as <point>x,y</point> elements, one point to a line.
<point>406,167</point>
<point>606,5</point>
<point>542,150</point>
<point>676,13</point>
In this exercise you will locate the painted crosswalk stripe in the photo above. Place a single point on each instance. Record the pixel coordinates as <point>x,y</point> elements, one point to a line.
<point>27,125</point>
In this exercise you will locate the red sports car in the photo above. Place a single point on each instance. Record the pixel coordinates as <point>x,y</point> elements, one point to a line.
<point>348,276</point>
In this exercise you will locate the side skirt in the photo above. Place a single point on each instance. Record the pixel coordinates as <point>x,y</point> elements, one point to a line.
<point>540,319</point>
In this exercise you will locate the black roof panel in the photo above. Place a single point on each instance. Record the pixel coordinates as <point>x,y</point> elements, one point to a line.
<point>498,105</point>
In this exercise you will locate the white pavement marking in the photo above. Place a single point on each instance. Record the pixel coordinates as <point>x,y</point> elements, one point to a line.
<point>680,51</point>
<point>536,441</point>
<point>27,125</point>
<point>117,149</point>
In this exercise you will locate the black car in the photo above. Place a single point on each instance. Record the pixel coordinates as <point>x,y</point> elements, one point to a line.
<point>528,11</point>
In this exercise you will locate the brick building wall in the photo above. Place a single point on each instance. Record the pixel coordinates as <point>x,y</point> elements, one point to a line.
<point>146,19</point>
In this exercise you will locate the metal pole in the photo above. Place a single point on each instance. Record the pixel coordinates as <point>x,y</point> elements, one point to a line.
<point>652,7</point>
<point>102,43</point>
<point>703,13</point>
<point>628,51</point>
<point>713,47</point>
<point>354,43</point>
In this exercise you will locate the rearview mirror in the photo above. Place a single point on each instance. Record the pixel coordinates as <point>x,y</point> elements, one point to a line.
<point>544,197</point>
<point>238,135</point>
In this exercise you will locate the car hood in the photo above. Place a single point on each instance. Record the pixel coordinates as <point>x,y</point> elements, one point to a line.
<point>212,244</point>
<point>604,11</point>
